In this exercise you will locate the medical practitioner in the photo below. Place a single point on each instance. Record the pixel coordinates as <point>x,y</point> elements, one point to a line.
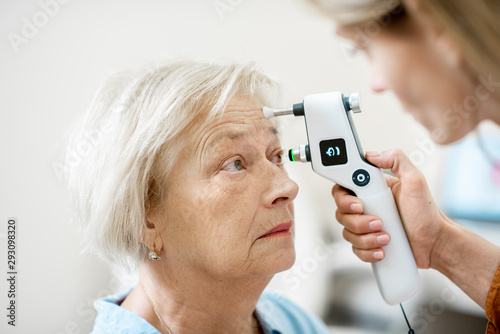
<point>442,60</point>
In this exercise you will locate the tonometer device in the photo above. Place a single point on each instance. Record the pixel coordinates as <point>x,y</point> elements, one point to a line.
<point>335,153</point>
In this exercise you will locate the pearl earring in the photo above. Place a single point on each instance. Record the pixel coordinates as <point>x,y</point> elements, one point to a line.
<point>154,256</point>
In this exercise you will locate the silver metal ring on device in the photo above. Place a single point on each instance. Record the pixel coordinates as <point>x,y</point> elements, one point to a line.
<point>302,150</point>
<point>355,102</point>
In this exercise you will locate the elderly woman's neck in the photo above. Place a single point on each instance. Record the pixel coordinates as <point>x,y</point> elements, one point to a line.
<point>189,303</point>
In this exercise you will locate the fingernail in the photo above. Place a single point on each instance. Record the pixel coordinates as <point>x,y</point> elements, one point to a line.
<point>383,239</point>
<point>375,225</point>
<point>356,207</point>
<point>378,255</point>
<point>372,154</point>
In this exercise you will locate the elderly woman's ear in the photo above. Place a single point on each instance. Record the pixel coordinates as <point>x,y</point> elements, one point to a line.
<point>151,236</point>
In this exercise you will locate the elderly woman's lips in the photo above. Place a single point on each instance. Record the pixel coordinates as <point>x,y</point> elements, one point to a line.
<point>281,229</point>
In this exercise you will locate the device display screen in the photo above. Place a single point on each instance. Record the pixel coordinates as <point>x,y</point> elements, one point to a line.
<point>333,152</point>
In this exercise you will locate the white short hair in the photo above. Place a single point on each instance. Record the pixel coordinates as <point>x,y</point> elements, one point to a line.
<point>121,153</point>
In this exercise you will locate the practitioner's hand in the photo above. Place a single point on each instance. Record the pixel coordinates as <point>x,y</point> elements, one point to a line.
<point>422,219</point>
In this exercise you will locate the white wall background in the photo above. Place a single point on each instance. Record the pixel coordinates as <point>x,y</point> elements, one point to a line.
<point>49,78</point>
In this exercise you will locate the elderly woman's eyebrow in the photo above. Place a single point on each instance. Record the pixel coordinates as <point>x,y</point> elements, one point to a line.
<point>231,136</point>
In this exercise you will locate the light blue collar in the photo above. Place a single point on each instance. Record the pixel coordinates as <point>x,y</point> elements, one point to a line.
<point>112,318</point>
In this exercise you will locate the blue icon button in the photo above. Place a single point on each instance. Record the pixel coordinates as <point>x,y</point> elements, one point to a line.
<point>333,152</point>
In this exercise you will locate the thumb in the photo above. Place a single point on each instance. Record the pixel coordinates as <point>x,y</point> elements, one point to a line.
<point>395,160</point>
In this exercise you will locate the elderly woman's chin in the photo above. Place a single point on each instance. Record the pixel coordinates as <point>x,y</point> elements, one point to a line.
<point>276,254</point>
<point>284,260</point>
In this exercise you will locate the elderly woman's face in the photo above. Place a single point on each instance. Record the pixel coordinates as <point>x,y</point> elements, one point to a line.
<point>227,190</point>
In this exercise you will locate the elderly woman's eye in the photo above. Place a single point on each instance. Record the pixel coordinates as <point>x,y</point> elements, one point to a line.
<point>278,158</point>
<point>234,166</point>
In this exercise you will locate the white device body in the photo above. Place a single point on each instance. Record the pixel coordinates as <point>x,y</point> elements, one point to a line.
<point>328,124</point>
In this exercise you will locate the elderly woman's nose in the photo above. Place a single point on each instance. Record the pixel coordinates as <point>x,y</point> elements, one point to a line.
<point>281,189</point>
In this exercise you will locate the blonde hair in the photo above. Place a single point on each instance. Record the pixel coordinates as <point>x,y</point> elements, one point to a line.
<point>473,26</point>
<point>120,155</point>
<point>349,13</point>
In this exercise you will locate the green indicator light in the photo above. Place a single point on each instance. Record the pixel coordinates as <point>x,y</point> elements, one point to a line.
<point>292,156</point>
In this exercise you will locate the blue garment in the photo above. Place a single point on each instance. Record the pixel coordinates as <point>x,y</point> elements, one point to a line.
<point>277,315</point>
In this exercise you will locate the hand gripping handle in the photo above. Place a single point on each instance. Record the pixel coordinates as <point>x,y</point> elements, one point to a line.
<point>396,274</point>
